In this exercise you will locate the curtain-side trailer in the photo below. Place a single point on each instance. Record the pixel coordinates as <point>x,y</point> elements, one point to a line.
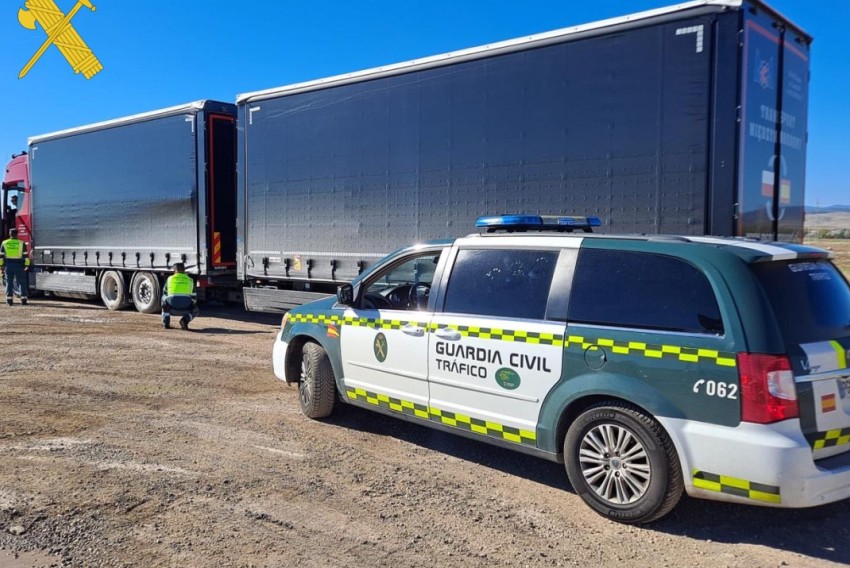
<point>681,120</point>
<point>109,208</point>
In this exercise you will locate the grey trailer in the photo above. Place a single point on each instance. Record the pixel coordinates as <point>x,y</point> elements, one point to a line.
<point>679,120</point>
<point>116,204</point>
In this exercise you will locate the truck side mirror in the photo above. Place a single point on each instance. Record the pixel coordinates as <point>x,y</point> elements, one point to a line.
<point>345,295</point>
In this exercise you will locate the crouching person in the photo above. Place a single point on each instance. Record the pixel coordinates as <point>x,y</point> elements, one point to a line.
<point>179,298</point>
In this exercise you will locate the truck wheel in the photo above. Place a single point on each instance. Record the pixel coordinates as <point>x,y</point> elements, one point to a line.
<point>623,464</point>
<point>146,292</point>
<point>113,291</point>
<point>317,386</point>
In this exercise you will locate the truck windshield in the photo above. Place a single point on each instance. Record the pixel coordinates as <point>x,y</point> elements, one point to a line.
<point>811,299</point>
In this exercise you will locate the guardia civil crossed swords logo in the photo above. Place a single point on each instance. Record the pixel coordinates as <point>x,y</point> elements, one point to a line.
<point>380,347</point>
<point>60,33</point>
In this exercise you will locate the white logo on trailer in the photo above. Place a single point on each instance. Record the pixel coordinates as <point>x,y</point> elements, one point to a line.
<point>698,30</point>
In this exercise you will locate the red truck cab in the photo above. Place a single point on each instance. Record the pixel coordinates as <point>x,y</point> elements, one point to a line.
<point>16,182</point>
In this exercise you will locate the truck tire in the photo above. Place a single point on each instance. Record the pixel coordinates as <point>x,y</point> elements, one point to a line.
<point>113,290</point>
<point>146,292</point>
<point>317,385</point>
<point>623,464</point>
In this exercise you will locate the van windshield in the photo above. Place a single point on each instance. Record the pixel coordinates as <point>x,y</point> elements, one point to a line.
<point>810,298</point>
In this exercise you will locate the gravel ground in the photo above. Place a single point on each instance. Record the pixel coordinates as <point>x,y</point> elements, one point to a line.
<point>122,444</point>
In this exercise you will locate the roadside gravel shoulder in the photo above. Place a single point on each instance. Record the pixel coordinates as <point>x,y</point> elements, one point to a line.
<point>122,444</point>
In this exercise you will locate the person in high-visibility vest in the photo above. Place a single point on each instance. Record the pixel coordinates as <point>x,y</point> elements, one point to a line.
<point>178,298</point>
<point>15,259</point>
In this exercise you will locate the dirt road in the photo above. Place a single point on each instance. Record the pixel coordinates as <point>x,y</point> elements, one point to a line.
<point>122,444</point>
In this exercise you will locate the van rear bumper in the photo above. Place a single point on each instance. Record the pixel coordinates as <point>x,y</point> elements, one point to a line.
<point>758,464</point>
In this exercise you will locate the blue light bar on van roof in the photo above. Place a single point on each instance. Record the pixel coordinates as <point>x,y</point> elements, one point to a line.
<point>559,223</point>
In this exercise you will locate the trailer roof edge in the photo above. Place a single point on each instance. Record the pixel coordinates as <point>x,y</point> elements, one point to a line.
<point>178,109</point>
<point>488,50</point>
<point>779,15</point>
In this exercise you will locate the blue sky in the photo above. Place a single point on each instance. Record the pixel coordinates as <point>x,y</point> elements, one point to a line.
<point>157,54</point>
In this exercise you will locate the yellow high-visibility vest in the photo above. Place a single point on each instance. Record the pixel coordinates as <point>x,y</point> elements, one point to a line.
<point>14,249</point>
<point>179,284</point>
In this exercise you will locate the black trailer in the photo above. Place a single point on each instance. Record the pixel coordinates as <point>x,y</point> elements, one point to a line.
<point>116,204</point>
<point>680,120</point>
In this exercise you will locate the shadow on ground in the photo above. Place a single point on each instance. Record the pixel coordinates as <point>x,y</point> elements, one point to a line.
<point>63,304</point>
<point>820,532</point>
<point>225,331</point>
<point>208,309</point>
<point>238,313</point>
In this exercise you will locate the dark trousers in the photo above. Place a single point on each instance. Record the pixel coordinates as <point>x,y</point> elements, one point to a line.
<point>179,306</point>
<point>15,271</point>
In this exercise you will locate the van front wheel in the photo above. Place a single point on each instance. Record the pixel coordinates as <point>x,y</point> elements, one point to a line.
<point>317,386</point>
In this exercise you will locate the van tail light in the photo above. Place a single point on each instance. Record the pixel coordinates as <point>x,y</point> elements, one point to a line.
<point>768,392</point>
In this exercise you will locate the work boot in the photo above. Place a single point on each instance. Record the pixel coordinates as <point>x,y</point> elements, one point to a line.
<point>9,301</point>
<point>23,301</point>
<point>166,323</point>
<point>184,324</point>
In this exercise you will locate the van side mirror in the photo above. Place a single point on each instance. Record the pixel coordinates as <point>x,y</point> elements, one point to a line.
<point>345,295</point>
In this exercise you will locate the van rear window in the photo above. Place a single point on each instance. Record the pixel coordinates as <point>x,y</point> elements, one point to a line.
<point>811,299</point>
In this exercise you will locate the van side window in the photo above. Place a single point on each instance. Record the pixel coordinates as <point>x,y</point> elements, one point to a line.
<point>501,282</point>
<point>642,290</point>
<point>404,286</point>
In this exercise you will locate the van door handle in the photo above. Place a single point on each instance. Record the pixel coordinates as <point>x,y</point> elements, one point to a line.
<point>448,333</point>
<point>414,330</point>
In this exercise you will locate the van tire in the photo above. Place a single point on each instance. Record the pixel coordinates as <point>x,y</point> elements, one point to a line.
<point>317,385</point>
<point>631,446</point>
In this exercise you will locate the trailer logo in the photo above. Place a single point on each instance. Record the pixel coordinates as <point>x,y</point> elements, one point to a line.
<point>763,74</point>
<point>60,33</point>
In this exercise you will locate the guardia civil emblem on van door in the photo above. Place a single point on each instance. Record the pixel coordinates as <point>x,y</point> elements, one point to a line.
<point>380,347</point>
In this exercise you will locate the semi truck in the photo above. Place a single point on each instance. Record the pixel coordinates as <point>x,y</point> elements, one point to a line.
<point>107,209</point>
<point>682,120</point>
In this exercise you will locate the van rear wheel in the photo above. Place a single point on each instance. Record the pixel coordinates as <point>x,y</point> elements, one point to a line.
<point>623,464</point>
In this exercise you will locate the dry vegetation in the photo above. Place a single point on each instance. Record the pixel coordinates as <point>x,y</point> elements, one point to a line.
<point>839,247</point>
<point>828,221</point>
<point>821,225</point>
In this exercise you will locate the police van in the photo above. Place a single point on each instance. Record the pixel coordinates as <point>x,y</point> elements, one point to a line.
<point>649,365</point>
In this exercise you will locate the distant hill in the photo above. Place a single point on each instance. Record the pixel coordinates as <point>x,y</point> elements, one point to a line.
<point>831,209</point>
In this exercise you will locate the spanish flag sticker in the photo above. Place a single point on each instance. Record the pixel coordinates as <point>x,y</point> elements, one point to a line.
<point>827,403</point>
<point>333,331</point>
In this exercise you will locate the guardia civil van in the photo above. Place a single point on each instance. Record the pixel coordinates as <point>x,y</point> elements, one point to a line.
<point>651,366</point>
